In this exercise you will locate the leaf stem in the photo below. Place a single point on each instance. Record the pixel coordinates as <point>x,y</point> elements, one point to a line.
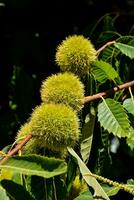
<point>131,94</point>
<point>54,188</point>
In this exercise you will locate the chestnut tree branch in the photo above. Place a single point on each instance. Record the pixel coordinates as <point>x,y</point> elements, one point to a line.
<point>104,46</point>
<point>87,99</point>
<point>106,93</point>
<point>16,149</point>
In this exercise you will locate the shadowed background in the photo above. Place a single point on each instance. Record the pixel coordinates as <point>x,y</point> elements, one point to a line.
<point>29,34</point>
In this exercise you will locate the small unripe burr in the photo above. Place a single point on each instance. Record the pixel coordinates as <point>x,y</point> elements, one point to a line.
<point>75,54</point>
<point>55,126</point>
<point>63,88</point>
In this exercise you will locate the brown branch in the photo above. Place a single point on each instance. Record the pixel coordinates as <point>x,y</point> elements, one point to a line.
<point>104,46</point>
<point>106,93</point>
<point>86,100</point>
<point>16,149</point>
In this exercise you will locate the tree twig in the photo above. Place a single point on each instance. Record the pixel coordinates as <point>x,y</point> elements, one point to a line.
<point>16,149</point>
<point>86,100</point>
<point>106,93</point>
<point>104,46</point>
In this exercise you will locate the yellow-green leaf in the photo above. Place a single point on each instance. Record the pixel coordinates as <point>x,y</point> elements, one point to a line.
<point>128,104</point>
<point>91,181</point>
<point>125,49</point>
<point>3,195</point>
<point>103,71</point>
<point>113,118</point>
<point>36,165</point>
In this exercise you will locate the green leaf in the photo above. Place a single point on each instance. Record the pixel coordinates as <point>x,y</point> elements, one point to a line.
<point>85,196</point>
<point>108,53</point>
<point>15,190</point>
<point>71,173</point>
<point>6,174</point>
<point>86,148</point>
<point>87,136</point>
<point>36,186</point>
<point>60,188</point>
<point>103,71</point>
<point>106,36</point>
<point>113,118</point>
<point>40,188</point>
<point>36,165</point>
<point>130,139</point>
<point>130,183</point>
<point>110,191</point>
<point>91,181</point>
<point>48,189</point>
<point>128,104</point>
<point>17,178</point>
<point>111,52</point>
<point>127,39</point>
<point>125,49</point>
<point>3,195</point>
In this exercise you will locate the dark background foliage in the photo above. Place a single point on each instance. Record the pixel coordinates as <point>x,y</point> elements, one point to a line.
<point>29,34</point>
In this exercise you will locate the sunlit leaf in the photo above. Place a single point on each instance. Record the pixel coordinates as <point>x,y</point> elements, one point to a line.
<point>85,196</point>
<point>87,136</point>
<point>6,174</point>
<point>91,181</point>
<point>103,71</point>
<point>130,183</point>
<point>110,52</point>
<point>125,49</point>
<point>110,191</point>
<point>128,104</point>
<point>130,139</point>
<point>3,194</point>
<point>36,165</point>
<point>113,118</point>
